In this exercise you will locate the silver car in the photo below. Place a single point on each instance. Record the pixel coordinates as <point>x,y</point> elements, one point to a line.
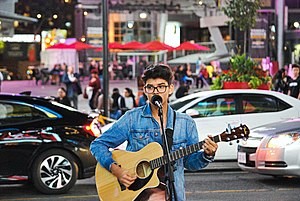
<point>273,149</point>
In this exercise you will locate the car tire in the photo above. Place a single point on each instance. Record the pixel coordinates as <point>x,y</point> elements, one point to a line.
<point>54,172</point>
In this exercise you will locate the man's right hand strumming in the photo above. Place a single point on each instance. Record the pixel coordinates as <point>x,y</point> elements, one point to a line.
<point>124,176</point>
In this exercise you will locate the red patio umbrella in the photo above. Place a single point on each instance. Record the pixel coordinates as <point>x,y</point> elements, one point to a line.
<point>156,46</point>
<point>114,45</point>
<point>59,46</point>
<point>80,46</point>
<point>191,46</point>
<point>76,45</point>
<point>132,45</point>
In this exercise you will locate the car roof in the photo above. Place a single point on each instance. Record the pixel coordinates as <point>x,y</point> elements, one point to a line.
<point>23,97</point>
<point>231,91</point>
<point>278,127</point>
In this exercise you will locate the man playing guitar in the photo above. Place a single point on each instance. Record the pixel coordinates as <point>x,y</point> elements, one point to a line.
<point>141,126</point>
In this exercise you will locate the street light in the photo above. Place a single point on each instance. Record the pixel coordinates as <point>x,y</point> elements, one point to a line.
<point>143,15</point>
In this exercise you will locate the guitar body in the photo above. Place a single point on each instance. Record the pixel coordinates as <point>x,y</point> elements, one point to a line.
<point>137,163</point>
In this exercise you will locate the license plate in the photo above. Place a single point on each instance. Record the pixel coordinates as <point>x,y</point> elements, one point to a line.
<point>241,157</point>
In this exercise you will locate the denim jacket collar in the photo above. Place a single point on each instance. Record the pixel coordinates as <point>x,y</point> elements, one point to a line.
<point>147,113</point>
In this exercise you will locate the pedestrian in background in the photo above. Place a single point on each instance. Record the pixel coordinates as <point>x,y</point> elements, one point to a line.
<point>100,104</point>
<point>129,100</point>
<point>182,90</point>
<point>294,84</point>
<point>281,81</point>
<point>95,83</point>
<point>1,79</point>
<point>118,102</point>
<point>71,80</point>
<point>62,97</point>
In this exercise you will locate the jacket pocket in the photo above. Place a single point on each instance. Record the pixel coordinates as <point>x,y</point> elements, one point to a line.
<point>140,140</point>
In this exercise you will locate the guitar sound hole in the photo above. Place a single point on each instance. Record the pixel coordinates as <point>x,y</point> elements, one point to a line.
<point>143,169</point>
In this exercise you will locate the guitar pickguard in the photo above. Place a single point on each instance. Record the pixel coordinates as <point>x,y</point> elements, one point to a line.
<point>140,183</point>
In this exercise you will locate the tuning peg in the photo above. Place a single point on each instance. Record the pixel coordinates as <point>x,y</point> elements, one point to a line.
<point>242,134</point>
<point>229,129</point>
<point>227,139</point>
<point>235,137</point>
<point>244,138</point>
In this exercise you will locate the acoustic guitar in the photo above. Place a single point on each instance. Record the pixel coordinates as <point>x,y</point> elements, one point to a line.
<point>145,164</point>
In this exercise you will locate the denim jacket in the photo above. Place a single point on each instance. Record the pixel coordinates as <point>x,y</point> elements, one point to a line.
<point>139,128</point>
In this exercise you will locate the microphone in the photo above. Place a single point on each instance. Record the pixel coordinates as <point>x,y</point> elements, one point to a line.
<point>156,100</point>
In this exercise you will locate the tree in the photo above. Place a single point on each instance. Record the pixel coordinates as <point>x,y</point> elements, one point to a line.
<point>243,14</point>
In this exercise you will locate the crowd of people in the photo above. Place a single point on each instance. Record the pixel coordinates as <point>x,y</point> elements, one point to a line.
<point>119,102</point>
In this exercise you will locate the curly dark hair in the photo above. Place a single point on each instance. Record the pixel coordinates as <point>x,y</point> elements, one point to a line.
<point>154,71</point>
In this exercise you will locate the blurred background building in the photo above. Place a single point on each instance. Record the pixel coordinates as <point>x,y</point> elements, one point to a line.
<point>29,26</point>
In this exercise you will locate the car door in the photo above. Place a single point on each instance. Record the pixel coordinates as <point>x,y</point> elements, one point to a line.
<point>260,109</point>
<point>18,136</point>
<point>213,116</point>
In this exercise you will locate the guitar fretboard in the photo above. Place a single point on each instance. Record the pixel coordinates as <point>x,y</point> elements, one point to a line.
<point>158,162</point>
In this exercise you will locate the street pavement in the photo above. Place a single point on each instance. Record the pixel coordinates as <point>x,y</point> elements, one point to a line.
<point>51,90</point>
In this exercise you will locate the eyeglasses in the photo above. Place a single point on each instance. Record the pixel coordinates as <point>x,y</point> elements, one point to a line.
<point>150,89</point>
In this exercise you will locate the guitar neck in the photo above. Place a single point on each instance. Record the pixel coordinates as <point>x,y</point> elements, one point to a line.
<point>180,153</point>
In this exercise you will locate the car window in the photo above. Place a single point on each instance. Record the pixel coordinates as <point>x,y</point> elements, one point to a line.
<point>216,106</point>
<point>179,104</point>
<point>283,105</point>
<point>259,103</point>
<point>12,113</point>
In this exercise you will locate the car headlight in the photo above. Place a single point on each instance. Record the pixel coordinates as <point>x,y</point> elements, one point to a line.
<point>283,140</point>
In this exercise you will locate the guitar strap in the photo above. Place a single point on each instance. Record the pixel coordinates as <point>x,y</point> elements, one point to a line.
<point>170,132</point>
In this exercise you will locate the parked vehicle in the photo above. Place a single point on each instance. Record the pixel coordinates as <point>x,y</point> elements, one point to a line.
<point>214,110</point>
<point>272,149</point>
<point>44,142</point>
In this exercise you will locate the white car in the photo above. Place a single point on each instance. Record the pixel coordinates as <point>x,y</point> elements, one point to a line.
<point>272,149</point>
<point>214,110</point>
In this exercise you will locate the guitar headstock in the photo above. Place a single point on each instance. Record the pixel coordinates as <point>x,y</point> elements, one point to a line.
<point>235,133</point>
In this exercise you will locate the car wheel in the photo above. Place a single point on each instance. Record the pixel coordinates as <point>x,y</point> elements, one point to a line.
<point>54,172</point>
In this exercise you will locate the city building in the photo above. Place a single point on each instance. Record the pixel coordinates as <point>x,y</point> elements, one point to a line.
<point>170,21</point>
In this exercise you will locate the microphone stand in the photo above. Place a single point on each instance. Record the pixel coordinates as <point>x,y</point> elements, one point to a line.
<point>168,168</point>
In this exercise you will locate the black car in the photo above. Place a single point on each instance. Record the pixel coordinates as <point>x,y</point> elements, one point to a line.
<point>44,142</point>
